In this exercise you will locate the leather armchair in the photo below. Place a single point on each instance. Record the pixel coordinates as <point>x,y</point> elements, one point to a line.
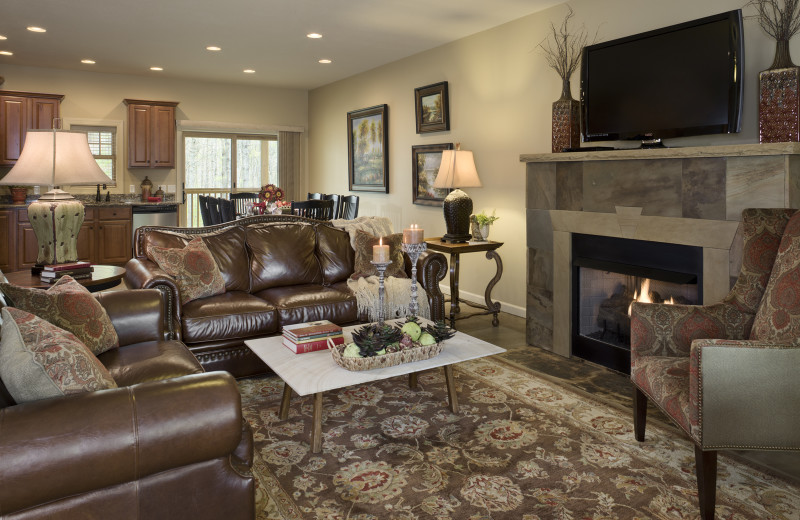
<point>729,385</point>
<point>170,442</point>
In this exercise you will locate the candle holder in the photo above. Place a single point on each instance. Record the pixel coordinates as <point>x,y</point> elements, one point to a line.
<point>413,251</point>
<point>381,267</point>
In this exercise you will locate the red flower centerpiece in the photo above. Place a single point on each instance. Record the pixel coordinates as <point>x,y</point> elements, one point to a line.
<point>270,197</point>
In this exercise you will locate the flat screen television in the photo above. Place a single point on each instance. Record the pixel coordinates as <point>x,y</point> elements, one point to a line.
<point>676,81</point>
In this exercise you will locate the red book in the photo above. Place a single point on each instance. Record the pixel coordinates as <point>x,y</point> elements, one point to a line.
<point>311,346</point>
<point>66,267</point>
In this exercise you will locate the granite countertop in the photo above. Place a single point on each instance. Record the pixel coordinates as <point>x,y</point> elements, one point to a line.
<point>6,203</point>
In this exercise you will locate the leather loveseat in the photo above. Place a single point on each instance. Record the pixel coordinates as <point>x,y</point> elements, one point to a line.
<point>278,270</point>
<point>168,443</point>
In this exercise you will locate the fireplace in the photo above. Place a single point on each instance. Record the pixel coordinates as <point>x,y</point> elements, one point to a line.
<point>609,273</point>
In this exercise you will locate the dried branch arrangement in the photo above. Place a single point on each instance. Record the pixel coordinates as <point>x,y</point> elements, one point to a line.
<point>779,18</point>
<point>562,50</point>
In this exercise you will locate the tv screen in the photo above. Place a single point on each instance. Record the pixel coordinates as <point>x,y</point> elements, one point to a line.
<point>676,81</point>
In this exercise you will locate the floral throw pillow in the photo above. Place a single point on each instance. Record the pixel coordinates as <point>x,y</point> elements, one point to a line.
<point>193,268</point>
<point>70,306</point>
<point>363,248</point>
<point>39,360</point>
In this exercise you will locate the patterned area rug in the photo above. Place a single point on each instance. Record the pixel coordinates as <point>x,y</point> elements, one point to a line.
<point>522,447</point>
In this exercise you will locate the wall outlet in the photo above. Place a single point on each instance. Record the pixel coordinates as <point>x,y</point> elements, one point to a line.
<point>170,188</point>
<point>132,189</point>
<point>36,190</point>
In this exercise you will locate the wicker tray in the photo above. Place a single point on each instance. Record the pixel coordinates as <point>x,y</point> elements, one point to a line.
<point>386,360</point>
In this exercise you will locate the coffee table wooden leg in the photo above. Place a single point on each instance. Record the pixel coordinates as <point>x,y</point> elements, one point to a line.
<point>287,396</point>
<point>412,380</point>
<point>316,424</point>
<point>450,380</point>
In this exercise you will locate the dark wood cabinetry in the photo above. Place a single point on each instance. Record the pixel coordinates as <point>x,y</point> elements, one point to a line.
<point>105,237</point>
<point>19,112</point>
<point>151,133</point>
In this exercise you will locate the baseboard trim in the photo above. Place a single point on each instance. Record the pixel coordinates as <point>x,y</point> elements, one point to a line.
<point>516,310</point>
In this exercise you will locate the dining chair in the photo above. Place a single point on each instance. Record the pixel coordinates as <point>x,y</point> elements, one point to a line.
<point>348,207</point>
<point>315,196</point>
<point>227,210</point>
<point>205,214</point>
<point>213,210</point>
<point>336,203</point>
<point>241,200</point>
<point>316,209</point>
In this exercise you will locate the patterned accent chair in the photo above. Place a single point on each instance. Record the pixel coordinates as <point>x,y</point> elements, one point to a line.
<point>726,373</point>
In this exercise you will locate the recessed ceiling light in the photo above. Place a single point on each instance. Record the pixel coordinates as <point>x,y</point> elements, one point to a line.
<point>313,35</point>
<point>33,28</point>
<point>88,62</point>
<point>249,71</point>
<point>6,53</point>
<point>156,68</point>
<point>213,48</point>
<point>3,37</point>
<point>324,61</point>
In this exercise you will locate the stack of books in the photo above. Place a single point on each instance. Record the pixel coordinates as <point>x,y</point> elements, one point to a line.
<point>78,270</point>
<point>301,338</point>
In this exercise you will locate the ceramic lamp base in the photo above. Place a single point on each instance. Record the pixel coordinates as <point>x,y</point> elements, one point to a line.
<point>56,224</point>
<point>457,208</point>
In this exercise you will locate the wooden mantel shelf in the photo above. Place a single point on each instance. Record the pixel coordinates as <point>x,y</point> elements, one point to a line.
<point>734,150</point>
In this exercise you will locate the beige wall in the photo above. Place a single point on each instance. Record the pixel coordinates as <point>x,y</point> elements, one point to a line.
<point>501,93</point>
<point>89,95</point>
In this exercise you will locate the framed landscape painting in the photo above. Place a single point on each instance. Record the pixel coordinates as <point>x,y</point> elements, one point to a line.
<point>433,108</point>
<point>368,149</point>
<point>425,162</point>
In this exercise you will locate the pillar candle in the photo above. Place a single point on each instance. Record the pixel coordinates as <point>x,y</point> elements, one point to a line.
<point>380,253</point>
<point>413,234</point>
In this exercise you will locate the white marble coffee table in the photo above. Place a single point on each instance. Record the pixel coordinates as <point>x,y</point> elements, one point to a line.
<point>317,372</point>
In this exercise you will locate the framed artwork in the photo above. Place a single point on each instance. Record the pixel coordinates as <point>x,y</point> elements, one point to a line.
<point>425,161</point>
<point>433,108</point>
<point>368,149</point>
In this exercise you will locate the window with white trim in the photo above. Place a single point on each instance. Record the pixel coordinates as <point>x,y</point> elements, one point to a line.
<point>103,144</point>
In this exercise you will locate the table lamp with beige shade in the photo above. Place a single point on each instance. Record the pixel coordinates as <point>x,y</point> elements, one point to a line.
<point>457,170</point>
<point>54,158</point>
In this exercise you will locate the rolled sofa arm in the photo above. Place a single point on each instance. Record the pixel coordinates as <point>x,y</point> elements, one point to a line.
<point>66,446</point>
<point>145,274</point>
<point>745,395</point>
<point>659,329</point>
<point>431,269</point>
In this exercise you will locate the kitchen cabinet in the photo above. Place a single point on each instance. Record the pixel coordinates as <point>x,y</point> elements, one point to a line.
<point>19,112</point>
<point>105,237</point>
<point>151,133</point>
<point>6,239</point>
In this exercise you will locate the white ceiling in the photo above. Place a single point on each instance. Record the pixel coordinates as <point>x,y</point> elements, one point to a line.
<point>130,36</point>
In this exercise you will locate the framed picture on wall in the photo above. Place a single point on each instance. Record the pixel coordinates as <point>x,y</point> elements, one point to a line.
<point>433,108</point>
<point>368,149</point>
<point>425,162</point>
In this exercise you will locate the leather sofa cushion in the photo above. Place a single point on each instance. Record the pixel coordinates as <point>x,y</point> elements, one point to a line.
<point>334,253</point>
<point>301,303</point>
<point>149,361</point>
<point>235,314</point>
<point>227,248</point>
<point>282,255</point>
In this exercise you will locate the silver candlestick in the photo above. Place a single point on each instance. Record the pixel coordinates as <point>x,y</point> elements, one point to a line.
<point>413,251</point>
<point>381,267</point>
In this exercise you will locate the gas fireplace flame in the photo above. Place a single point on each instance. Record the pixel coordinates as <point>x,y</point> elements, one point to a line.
<point>643,295</point>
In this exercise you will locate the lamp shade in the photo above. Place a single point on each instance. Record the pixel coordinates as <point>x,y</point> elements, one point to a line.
<point>73,163</point>
<point>457,170</point>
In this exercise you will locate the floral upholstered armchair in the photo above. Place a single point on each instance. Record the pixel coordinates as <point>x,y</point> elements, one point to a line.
<point>726,373</point>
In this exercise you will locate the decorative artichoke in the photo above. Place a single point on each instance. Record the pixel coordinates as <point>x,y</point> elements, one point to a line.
<point>440,331</point>
<point>372,338</point>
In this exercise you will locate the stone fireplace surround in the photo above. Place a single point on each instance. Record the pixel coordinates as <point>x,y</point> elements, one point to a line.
<point>692,196</point>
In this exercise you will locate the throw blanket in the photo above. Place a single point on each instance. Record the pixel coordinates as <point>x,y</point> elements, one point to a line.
<point>397,295</point>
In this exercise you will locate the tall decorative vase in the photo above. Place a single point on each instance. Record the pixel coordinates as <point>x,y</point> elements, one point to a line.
<point>566,121</point>
<point>779,99</point>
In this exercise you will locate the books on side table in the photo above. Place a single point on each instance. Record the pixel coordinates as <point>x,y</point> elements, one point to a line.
<point>312,336</point>
<point>77,270</point>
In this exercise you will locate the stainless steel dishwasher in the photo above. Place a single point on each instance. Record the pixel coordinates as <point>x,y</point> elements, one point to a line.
<point>154,215</point>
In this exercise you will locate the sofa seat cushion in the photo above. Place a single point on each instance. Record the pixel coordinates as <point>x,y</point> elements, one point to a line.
<point>231,315</point>
<point>311,302</point>
<point>149,361</point>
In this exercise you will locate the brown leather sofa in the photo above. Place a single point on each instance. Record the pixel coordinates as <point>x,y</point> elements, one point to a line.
<point>278,270</point>
<point>169,443</point>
